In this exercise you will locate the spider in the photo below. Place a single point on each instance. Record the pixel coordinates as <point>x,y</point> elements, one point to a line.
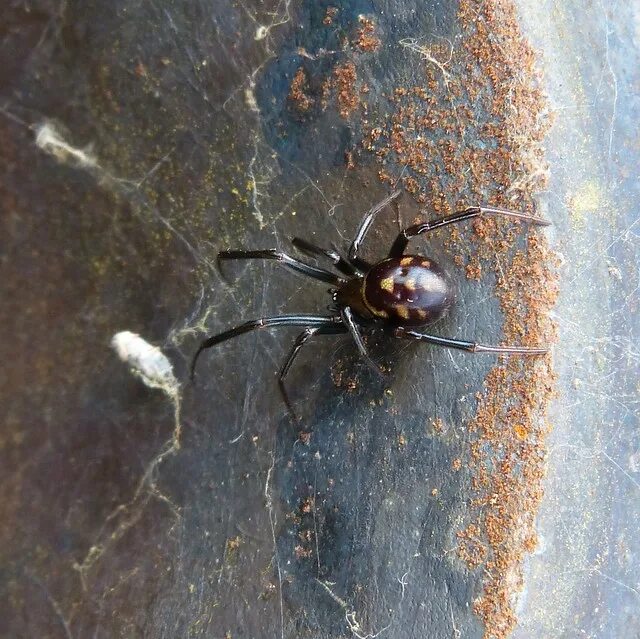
<point>398,294</point>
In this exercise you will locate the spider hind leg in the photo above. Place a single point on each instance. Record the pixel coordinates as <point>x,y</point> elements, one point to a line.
<point>300,341</point>
<point>306,321</point>
<point>470,347</point>
<point>354,330</point>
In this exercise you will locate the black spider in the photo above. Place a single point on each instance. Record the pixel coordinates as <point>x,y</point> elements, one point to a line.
<point>397,294</point>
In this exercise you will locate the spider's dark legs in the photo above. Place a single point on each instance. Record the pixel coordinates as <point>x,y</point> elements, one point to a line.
<point>400,244</point>
<point>363,229</point>
<point>349,321</point>
<point>308,321</point>
<point>471,347</point>
<point>301,340</point>
<point>338,261</point>
<point>295,265</point>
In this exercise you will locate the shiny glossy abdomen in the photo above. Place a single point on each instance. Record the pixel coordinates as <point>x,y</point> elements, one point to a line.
<point>409,291</point>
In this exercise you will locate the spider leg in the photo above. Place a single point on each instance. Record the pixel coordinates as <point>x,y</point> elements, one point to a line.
<point>338,261</point>
<point>301,340</point>
<point>308,321</point>
<point>363,229</point>
<point>400,244</point>
<point>354,331</point>
<point>471,347</point>
<point>295,265</point>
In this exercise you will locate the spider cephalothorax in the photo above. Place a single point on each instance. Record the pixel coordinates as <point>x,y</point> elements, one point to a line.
<point>397,294</point>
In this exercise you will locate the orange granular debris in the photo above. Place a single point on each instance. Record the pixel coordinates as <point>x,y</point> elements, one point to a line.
<point>307,505</point>
<point>343,83</point>
<point>298,91</point>
<point>471,132</point>
<point>349,160</point>
<point>302,552</point>
<point>474,271</point>
<point>366,39</point>
<point>330,14</point>
<point>345,77</point>
<point>521,431</point>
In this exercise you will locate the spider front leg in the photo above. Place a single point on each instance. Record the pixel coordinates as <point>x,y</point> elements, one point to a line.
<point>363,229</point>
<point>295,265</point>
<point>316,251</point>
<point>400,244</point>
<point>471,347</point>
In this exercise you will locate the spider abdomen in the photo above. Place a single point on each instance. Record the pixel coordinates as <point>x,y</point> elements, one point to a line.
<point>410,290</point>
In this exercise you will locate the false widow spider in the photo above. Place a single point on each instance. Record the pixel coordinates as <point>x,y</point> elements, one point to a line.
<point>398,294</point>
